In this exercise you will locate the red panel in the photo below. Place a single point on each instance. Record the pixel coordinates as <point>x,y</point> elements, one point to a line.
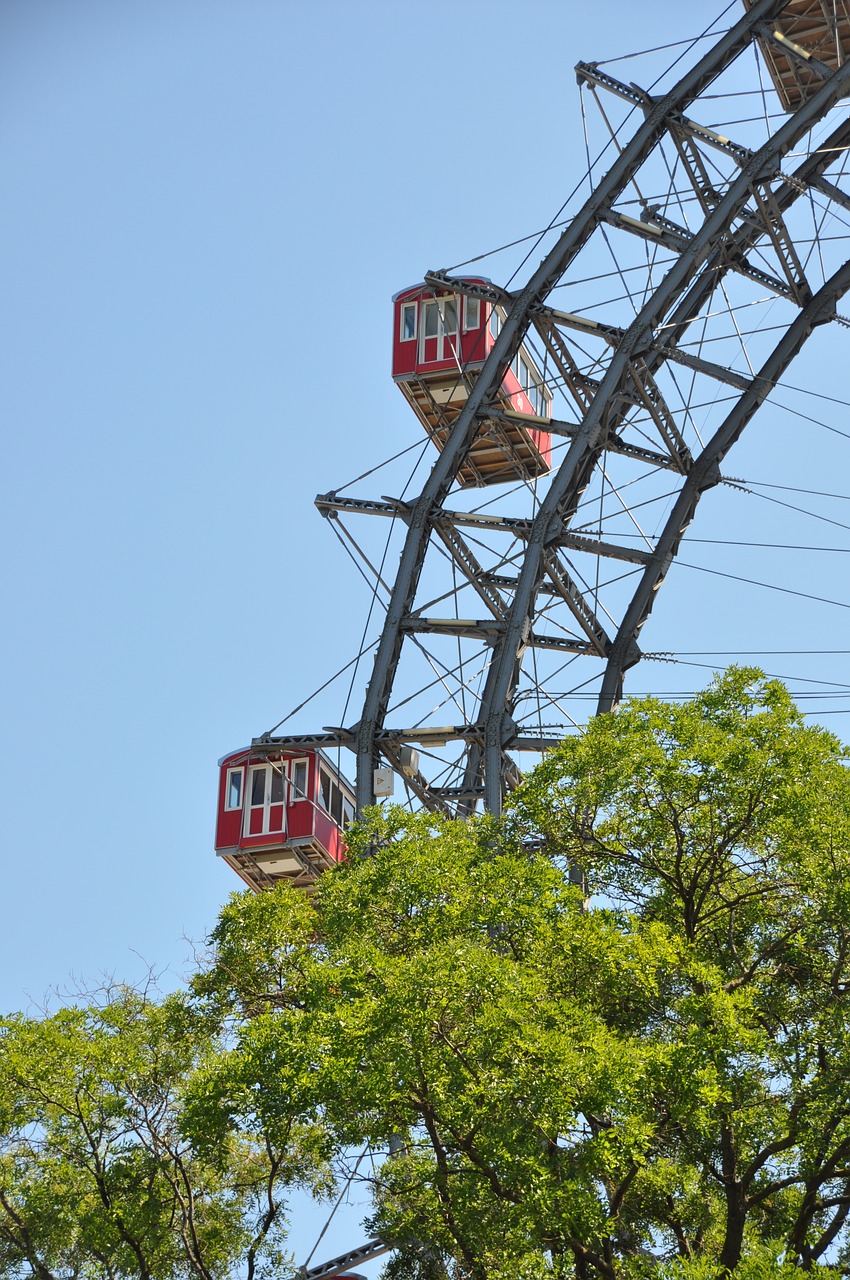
<point>229,828</point>
<point>488,337</point>
<point>326,828</point>
<point>473,345</point>
<point>511,385</point>
<point>404,362</point>
<point>275,838</point>
<point>300,819</point>
<point>329,836</point>
<point>336,845</point>
<point>228,822</point>
<point>276,817</point>
<point>255,822</point>
<point>429,354</point>
<point>519,400</point>
<point>404,352</point>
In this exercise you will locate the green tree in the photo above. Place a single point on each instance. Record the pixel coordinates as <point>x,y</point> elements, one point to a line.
<point>652,1082</point>
<point>726,822</point>
<point>645,1076</point>
<point>119,1158</point>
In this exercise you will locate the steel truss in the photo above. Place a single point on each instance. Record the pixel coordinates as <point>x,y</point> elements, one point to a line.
<point>651,398</point>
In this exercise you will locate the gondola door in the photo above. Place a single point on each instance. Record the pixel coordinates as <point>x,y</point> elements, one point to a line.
<point>438,330</point>
<point>265,813</point>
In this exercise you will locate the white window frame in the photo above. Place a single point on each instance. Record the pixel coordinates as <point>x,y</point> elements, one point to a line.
<point>430,307</point>
<point>296,796</point>
<point>468,304</point>
<point>450,300</point>
<point>278,767</point>
<point>231,772</point>
<point>402,336</point>
<point>345,797</point>
<point>324,772</point>
<point>532,382</point>
<point>249,807</point>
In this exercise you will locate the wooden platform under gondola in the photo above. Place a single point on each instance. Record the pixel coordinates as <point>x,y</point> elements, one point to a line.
<point>512,446</point>
<point>806,31</point>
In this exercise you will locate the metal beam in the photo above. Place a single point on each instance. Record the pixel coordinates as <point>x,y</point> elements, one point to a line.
<point>657,226</point>
<point>514,526</point>
<point>417,783</point>
<point>566,588</point>
<point>613,335</point>
<point>651,398</point>
<point>578,384</point>
<point>571,478</point>
<point>705,473</point>
<point>615,444</point>
<point>469,288</point>
<point>711,370</point>
<point>488,631</point>
<point>269,743</point>
<point>830,190</point>
<point>466,628</point>
<point>420,735</point>
<point>345,1261</point>
<point>735,259</point>
<point>783,245</point>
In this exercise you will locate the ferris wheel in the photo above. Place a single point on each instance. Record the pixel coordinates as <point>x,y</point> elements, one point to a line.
<point>575,412</point>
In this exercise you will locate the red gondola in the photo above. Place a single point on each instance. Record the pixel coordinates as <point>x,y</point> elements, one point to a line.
<point>440,341</point>
<point>282,818</point>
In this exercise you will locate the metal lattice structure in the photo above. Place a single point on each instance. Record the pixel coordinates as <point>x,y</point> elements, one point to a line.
<point>508,597</point>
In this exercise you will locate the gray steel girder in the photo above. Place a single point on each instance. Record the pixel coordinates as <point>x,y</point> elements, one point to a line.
<point>572,477</point>
<point>705,474</point>
<point>790,189</point>
<point>345,1261</point>
<point>683,131</point>
<point>422,735</point>
<point>571,241</point>
<point>515,526</point>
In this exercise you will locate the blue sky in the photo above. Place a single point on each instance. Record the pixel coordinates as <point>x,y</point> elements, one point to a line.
<point>207,208</point>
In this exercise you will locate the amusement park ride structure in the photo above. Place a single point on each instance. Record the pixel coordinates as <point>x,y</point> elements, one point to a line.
<point>561,419</point>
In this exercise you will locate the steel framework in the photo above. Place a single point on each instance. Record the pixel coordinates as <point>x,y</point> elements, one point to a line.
<point>701,232</point>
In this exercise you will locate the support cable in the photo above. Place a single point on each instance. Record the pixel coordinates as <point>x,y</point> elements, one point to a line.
<point>771,586</point>
<point>340,1197</point>
<point>660,48</point>
<point>765,497</point>
<point>321,687</point>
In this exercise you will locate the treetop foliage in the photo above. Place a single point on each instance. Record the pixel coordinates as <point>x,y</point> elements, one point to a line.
<point>605,1036</point>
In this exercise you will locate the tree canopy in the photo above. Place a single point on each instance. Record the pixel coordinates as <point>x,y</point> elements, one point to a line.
<point>605,1035</point>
